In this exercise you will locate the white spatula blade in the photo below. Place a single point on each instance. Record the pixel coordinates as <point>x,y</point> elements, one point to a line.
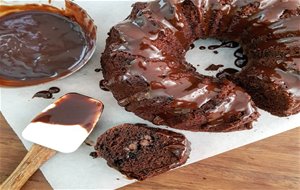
<point>65,124</point>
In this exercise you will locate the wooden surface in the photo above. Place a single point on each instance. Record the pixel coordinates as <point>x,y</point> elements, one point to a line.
<point>273,163</point>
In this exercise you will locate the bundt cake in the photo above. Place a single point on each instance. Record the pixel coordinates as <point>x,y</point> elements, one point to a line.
<point>139,151</point>
<point>144,62</point>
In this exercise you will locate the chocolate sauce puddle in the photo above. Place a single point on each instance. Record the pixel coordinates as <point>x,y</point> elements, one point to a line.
<point>47,94</point>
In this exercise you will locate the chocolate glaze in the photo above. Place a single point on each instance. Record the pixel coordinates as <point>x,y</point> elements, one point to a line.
<point>213,67</point>
<point>192,46</point>
<point>229,44</point>
<point>54,90</point>
<point>98,70</point>
<point>241,58</point>
<point>202,47</point>
<point>72,109</point>
<point>47,94</point>
<point>43,94</point>
<point>41,43</point>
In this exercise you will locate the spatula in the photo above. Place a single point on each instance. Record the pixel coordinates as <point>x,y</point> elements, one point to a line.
<point>62,127</point>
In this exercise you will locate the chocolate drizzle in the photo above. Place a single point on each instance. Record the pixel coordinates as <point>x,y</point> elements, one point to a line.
<point>213,67</point>
<point>241,58</point>
<point>72,109</point>
<point>228,44</point>
<point>47,94</point>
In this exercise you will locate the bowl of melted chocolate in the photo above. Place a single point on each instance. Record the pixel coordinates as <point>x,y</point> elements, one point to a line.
<point>41,43</point>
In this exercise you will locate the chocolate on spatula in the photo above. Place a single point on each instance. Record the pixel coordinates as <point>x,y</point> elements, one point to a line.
<point>62,126</point>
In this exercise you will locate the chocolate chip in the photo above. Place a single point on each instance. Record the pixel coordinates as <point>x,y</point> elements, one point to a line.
<point>144,142</point>
<point>132,146</point>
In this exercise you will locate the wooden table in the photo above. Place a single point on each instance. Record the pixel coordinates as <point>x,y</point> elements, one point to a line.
<point>273,163</point>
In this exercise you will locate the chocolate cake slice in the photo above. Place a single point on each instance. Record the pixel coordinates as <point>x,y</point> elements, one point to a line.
<point>139,151</point>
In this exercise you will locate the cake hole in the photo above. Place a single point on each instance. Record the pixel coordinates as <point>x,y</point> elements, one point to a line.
<point>201,57</point>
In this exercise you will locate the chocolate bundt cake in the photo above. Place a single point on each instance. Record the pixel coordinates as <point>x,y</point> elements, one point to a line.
<point>144,62</point>
<point>139,151</point>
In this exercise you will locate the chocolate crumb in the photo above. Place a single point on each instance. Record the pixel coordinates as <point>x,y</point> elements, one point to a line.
<point>98,70</point>
<point>213,67</point>
<point>94,154</point>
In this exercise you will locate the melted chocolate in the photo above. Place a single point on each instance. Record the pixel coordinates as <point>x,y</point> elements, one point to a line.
<point>39,43</point>
<point>54,90</point>
<point>229,44</point>
<point>72,109</point>
<point>98,70</point>
<point>192,46</point>
<point>241,59</point>
<point>173,80</point>
<point>213,67</point>
<point>47,94</point>
<point>43,94</point>
<point>202,47</point>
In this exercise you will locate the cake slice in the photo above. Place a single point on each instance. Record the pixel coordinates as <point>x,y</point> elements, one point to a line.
<point>139,151</point>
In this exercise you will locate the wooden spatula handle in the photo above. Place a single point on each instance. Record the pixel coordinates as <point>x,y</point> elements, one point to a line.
<point>36,156</point>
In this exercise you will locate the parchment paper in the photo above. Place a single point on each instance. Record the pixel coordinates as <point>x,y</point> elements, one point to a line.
<point>79,170</point>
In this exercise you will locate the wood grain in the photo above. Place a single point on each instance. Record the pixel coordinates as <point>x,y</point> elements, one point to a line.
<point>273,163</point>
<point>33,160</point>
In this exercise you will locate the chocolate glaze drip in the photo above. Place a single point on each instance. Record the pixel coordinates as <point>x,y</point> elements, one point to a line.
<point>202,47</point>
<point>229,44</point>
<point>241,59</point>
<point>72,109</point>
<point>291,80</point>
<point>98,70</point>
<point>192,46</point>
<point>235,102</point>
<point>47,94</point>
<point>54,90</point>
<point>43,94</point>
<point>48,49</point>
<point>174,80</point>
<point>213,67</point>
